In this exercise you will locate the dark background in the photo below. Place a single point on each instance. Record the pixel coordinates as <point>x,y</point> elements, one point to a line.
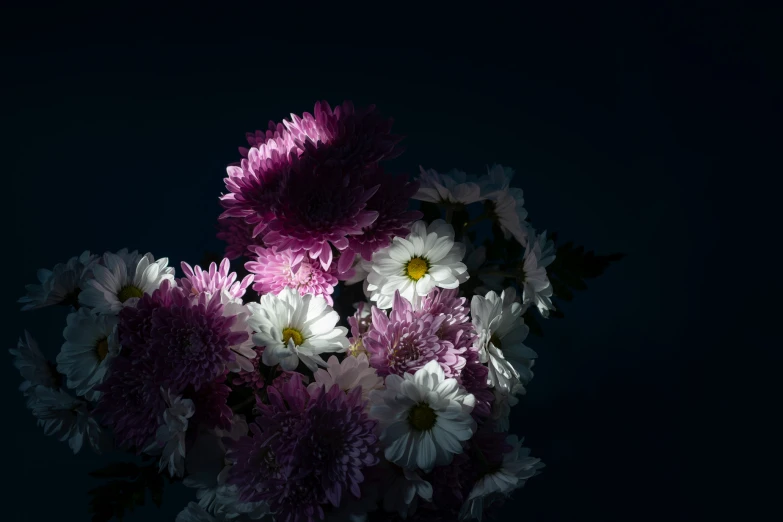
<point>650,130</point>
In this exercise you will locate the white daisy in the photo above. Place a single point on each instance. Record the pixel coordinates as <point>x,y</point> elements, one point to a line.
<point>91,343</point>
<point>423,418</point>
<point>456,187</point>
<point>65,417</point>
<point>536,288</point>
<point>509,211</point>
<point>402,495</point>
<point>352,372</point>
<point>33,365</point>
<point>60,285</point>
<point>116,284</point>
<point>294,327</point>
<point>496,180</point>
<point>517,467</point>
<point>501,333</point>
<point>170,437</point>
<point>415,265</point>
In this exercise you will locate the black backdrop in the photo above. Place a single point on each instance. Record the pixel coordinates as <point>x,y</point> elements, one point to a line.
<point>642,132</point>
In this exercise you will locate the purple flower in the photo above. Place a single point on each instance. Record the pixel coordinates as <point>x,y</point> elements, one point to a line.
<point>406,340</point>
<point>275,270</point>
<point>214,281</point>
<point>394,219</point>
<point>131,404</point>
<point>238,236</point>
<point>319,206</point>
<point>251,378</point>
<point>304,451</point>
<point>188,341</point>
<point>458,329</point>
<point>211,402</point>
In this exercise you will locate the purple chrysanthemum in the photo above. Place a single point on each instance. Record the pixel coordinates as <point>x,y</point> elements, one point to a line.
<point>238,236</point>
<point>458,329</point>
<point>275,270</point>
<point>211,403</point>
<point>131,403</point>
<point>394,219</point>
<point>304,451</point>
<point>320,205</point>
<point>254,187</point>
<point>188,341</point>
<point>214,281</point>
<point>406,340</point>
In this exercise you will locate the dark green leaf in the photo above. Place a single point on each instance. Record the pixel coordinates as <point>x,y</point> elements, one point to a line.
<point>572,265</point>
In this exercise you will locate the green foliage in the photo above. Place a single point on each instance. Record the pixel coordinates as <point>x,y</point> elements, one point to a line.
<point>126,489</point>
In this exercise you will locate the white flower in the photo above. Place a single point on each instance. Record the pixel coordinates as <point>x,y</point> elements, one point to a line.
<point>349,373</point>
<point>91,343</point>
<point>501,408</point>
<point>507,202</point>
<point>360,269</point>
<point>33,365</point>
<point>59,285</point>
<point>456,187</point>
<point>501,333</point>
<point>171,434</point>
<point>294,327</point>
<point>402,495</point>
<point>415,265</point>
<point>65,417</point>
<point>517,467</point>
<point>423,418</point>
<point>116,284</point>
<point>496,180</point>
<point>246,350</point>
<point>536,288</point>
<point>194,513</point>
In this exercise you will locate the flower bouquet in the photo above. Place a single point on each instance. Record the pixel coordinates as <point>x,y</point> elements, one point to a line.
<point>359,362</point>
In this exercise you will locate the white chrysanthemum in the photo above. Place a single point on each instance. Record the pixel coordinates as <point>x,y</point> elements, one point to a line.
<point>423,418</point>
<point>509,211</point>
<point>517,467</point>
<point>501,408</point>
<point>65,417</point>
<point>170,437</point>
<point>33,365</point>
<point>402,495</point>
<point>536,288</point>
<point>246,350</point>
<point>454,188</point>
<point>116,284</point>
<point>501,333</point>
<point>294,327</point>
<point>496,180</point>
<point>91,342</point>
<point>352,372</point>
<point>59,285</point>
<point>415,265</point>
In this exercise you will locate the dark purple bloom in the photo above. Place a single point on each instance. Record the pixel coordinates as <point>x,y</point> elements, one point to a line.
<point>211,402</point>
<point>238,236</point>
<point>131,404</point>
<point>304,451</point>
<point>394,219</point>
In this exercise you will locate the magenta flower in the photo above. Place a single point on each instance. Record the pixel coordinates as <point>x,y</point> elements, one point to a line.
<point>320,205</point>
<point>275,270</point>
<point>238,236</point>
<point>304,451</point>
<point>188,341</point>
<point>406,340</point>
<point>251,378</point>
<point>131,403</point>
<point>211,402</point>
<point>394,219</point>
<point>215,281</point>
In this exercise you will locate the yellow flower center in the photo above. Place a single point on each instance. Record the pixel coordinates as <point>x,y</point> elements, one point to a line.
<point>422,417</point>
<point>129,291</point>
<point>291,333</point>
<point>102,349</point>
<point>357,348</point>
<point>417,268</point>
